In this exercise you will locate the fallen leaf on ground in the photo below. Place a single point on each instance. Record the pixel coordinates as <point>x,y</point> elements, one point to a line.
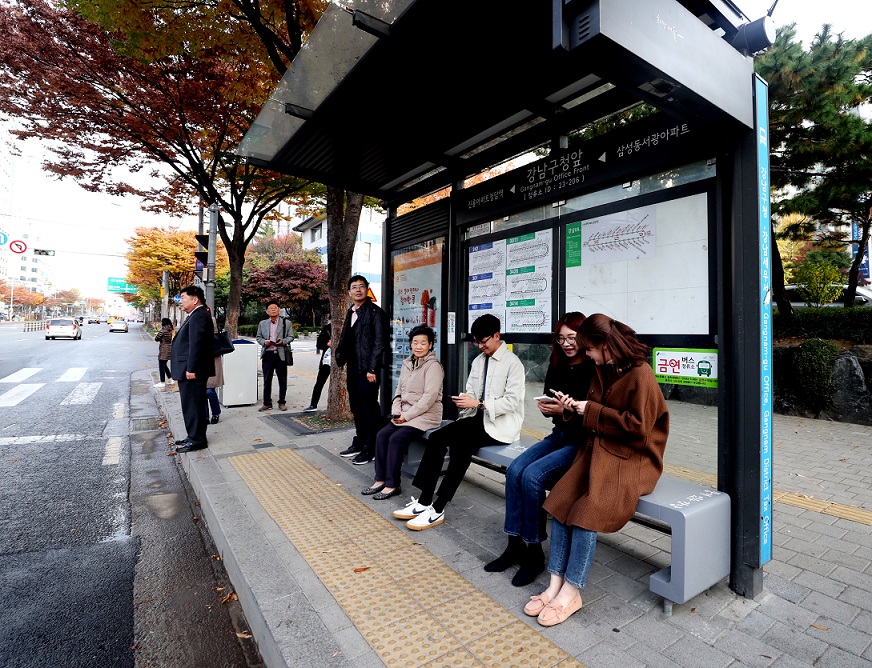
<point>230,597</point>
<point>243,635</point>
<point>218,588</point>
<point>361,569</point>
<point>822,628</point>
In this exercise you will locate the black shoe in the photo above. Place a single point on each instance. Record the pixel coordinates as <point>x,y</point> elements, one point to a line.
<point>350,451</point>
<point>362,458</point>
<point>381,496</point>
<point>532,564</point>
<point>214,420</point>
<point>513,554</point>
<point>181,441</point>
<point>372,490</point>
<point>189,447</point>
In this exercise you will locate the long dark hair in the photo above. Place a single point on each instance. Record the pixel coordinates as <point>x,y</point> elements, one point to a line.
<point>618,340</point>
<point>573,320</point>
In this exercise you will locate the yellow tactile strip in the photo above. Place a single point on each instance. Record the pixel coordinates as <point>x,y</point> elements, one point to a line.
<point>839,510</point>
<point>373,568</point>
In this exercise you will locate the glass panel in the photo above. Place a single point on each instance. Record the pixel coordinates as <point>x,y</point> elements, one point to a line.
<point>417,272</point>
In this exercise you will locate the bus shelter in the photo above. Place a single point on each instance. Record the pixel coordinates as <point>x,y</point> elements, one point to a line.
<point>661,222</point>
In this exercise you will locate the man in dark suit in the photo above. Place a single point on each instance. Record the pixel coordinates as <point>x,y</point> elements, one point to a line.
<point>192,363</point>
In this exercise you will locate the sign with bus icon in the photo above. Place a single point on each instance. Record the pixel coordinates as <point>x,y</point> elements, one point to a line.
<point>686,366</point>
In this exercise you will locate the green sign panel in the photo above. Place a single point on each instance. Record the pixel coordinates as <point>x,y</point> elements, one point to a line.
<point>573,245</point>
<point>120,285</point>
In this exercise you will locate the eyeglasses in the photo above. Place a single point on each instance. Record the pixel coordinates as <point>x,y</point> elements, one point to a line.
<point>483,341</point>
<point>565,339</point>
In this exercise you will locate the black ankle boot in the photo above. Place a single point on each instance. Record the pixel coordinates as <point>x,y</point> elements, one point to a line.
<point>532,564</point>
<point>513,554</point>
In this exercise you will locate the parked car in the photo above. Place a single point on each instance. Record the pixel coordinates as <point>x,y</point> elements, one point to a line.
<point>67,328</point>
<point>862,296</point>
<point>118,326</point>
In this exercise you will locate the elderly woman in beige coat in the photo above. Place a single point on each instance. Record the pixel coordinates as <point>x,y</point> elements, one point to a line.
<point>626,424</point>
<point>417,406</point>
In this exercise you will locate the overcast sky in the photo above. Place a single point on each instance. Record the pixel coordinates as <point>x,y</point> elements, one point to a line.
<point>87,230</point>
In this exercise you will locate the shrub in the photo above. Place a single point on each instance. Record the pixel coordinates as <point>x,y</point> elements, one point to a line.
<point>813,371</point>
<point>820,283</point>
<point>848,324</point>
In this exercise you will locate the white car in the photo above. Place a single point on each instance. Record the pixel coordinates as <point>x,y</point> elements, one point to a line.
<point>862,297</point>
<point>118,326</point>
<point>67,328</point>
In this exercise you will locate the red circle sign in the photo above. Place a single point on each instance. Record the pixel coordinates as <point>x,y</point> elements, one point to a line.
<point>17,246</point>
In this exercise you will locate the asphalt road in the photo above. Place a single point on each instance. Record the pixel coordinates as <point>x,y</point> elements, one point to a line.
<point>103,561</point>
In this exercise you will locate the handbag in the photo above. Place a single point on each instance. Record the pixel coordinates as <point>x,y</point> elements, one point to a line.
<point>289,353</point>
<point>222,344</point>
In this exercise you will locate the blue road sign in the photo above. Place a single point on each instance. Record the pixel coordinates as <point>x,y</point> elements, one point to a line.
<point>177,299</point>
<point>3,238</point>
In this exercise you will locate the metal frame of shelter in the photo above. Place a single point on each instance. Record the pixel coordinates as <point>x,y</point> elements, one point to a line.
<point>401,98</point>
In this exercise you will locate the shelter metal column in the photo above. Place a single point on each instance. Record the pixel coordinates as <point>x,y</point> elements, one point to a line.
<point>746,406</point>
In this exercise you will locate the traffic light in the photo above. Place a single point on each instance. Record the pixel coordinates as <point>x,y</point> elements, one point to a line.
<point>39,251</point>
<point>201,255</point>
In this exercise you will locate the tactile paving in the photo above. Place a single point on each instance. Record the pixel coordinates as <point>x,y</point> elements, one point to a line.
<point>411,608</point>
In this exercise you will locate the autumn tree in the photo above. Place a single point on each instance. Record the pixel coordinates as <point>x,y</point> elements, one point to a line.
<point>155,89</point>
<point>269,250</point>
<point>154,250</point>
<point>820,142</point>
<point>293,285</point>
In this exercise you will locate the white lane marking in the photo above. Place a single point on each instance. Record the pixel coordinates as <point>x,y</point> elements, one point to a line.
<point>48,438</point>
<point>83,394</point>
<point>112,453</point>
<point>73,375</point>
<point>18,394</point>
<point>117,411</point>
<point>21,374</point>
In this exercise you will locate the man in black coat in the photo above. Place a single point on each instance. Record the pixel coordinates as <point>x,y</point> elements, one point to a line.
<point>362,348</point>
<point>192,363</point>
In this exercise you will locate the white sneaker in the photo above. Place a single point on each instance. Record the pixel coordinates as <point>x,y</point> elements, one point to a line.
<point>428,518</point>
<point>410,511</point>
<point>159,385</point>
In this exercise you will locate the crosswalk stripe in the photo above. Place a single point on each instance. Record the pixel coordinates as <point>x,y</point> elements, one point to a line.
<point>21,374</point>
<point>47,438</point>
<point>18,394</point>
<point>72,375</point>
<point>83,394</point>
<point>112,452</point>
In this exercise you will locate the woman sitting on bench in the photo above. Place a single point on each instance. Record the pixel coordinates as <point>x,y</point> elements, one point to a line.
<point>541,465</point>
<point>417,406</point>
<point>626,423</point>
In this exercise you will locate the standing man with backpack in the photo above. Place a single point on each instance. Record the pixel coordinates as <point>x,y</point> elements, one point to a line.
<point>275,335</point>
<point>362,349</point>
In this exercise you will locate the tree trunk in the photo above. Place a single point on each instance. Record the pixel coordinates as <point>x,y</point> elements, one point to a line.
<point>343,219</point>
<point>236,253</point>
<point>779,295</point>
<point>854,271</point>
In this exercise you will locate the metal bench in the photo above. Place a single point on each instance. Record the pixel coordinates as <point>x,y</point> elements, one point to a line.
<point>697,517</point>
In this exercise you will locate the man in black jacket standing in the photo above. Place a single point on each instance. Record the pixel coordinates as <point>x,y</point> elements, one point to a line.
<point>192,363</point>
<point>362,349</point>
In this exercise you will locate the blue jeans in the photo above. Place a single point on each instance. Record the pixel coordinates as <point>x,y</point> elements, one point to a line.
<point>572,551</point>
<point>212,398</point>
<point>531,473</point>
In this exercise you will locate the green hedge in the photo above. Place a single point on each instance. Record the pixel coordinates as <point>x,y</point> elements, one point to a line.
<point>850,324</point>
<point>246,330</point>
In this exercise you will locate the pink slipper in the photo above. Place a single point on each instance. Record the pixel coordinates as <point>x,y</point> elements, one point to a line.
<point>537,604</point>
<point>554,613</point>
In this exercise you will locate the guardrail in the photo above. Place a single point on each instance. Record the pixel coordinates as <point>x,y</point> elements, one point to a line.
<point>34,325</point>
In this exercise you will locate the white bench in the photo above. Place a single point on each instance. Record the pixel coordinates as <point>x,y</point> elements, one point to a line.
<point>697,517</point>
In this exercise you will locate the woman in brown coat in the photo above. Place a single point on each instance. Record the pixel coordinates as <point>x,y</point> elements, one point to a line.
<point>626,422</point>
<point>165,338</point>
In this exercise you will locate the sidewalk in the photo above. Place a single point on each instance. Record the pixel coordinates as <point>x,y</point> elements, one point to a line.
<point>328,578</point>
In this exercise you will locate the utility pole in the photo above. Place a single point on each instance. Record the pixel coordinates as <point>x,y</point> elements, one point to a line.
<point>213,249</point>
<point>165,296</point>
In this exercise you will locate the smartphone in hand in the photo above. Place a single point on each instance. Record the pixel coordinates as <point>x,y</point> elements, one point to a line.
<point>547,400</point>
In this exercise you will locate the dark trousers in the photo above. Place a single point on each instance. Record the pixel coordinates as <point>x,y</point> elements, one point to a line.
<point>192,394</point>
<point>323,375</point>
<point>212,402</point>
<point>273,364</point>
<point>461,438</point>
<point>163,367</point>
<point>363,401</point>
<point>391,444</point>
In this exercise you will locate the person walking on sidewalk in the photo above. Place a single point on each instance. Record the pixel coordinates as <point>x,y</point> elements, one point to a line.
<point>491,411</point>
<point>192,362</point>
<point>541,465</point>
<point>165,338</point>
<point>417,406</point>
<point>274,334</point>
<point>322,345</point>
<point>362,349</point>
<point>626,424</point>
